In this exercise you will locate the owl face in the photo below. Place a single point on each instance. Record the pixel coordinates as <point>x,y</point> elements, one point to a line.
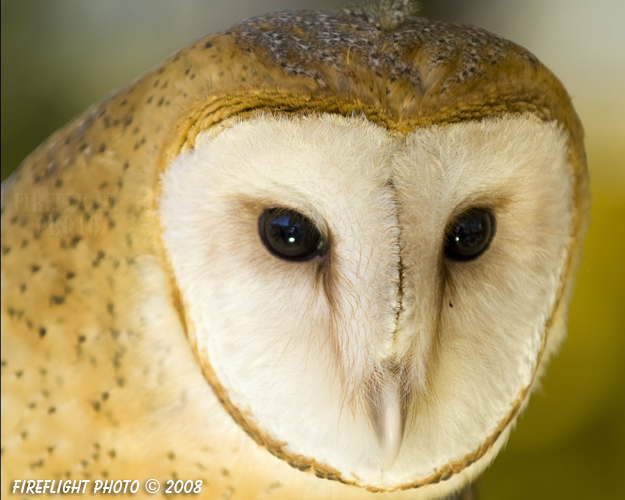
<point>371,304</point>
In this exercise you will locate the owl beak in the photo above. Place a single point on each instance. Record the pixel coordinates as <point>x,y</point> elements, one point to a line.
<point>388,416</point>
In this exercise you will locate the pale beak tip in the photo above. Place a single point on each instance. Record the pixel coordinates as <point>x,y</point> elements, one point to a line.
<point>388,455</point>
<point>389,419</point>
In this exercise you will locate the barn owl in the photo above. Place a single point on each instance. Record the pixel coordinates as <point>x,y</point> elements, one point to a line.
<point>317,255</point>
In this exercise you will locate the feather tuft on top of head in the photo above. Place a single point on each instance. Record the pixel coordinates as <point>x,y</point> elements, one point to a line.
<point>387,14</point>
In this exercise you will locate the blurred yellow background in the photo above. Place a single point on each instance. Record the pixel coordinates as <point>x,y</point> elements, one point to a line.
<point>60,56</point>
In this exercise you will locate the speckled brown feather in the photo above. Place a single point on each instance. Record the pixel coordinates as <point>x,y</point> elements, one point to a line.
<point>87,386</point>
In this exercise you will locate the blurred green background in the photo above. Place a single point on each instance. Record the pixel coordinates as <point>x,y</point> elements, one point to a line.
<point>60,56</point>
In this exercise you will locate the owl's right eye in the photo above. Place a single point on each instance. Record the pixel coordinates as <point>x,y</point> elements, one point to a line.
<point>289,235</point>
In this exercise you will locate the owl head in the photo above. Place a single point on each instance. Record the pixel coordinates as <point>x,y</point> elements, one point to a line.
<point>369,223</point>
<point>371,226</point>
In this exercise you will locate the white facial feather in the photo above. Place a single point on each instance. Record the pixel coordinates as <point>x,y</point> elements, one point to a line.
<point>296,345</point>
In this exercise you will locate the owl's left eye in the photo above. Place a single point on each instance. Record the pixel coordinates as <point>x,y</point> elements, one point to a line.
<point>470,235</point>
<point>289,235</point>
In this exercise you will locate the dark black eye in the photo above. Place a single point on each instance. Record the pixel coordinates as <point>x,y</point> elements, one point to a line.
<point>289,235</point>
<point>470,235</point>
